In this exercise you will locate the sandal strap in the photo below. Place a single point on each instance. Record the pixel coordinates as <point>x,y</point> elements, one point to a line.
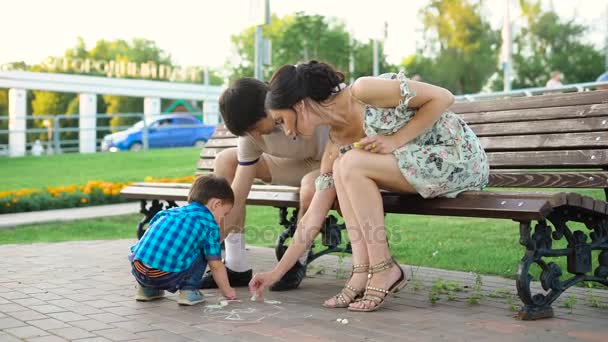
<point>378,289</point>
<point>382,266</point>
<point>355,291</point>
<point>361,268</point>
<point>372,298</point>
<point>345,297</point>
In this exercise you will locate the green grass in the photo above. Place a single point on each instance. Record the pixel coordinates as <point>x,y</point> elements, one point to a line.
<point>64,169</point>
<point>483,246</point>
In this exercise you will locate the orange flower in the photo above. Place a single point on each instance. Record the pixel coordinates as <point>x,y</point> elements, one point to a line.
<point>83,200</point>
<point>15,200</point>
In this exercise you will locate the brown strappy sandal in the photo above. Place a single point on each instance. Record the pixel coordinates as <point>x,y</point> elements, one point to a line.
<point>379,301</point>
<point>349,294</point>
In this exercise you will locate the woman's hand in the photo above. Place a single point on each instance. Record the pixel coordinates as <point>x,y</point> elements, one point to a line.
<point>382,144</point>
<point>261,281</point>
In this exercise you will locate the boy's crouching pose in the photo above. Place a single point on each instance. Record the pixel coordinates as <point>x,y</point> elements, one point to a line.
<point>174,252</point>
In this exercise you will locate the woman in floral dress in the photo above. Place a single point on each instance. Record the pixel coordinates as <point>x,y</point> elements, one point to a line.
<point>389,133</point>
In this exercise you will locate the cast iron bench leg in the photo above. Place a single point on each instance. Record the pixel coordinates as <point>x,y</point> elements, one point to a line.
<point>539,244</point>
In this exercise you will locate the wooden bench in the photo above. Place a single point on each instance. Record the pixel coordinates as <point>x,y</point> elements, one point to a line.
<point>547,141</point>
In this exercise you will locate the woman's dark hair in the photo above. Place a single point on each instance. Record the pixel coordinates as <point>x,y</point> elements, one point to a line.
<point>292,83</point>
<point>210,186</point>
<point>242,105</point>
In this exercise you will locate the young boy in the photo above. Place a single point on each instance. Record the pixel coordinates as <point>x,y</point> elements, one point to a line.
<point>174,252</point>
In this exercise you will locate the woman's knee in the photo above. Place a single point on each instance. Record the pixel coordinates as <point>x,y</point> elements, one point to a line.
<point>353,163</point>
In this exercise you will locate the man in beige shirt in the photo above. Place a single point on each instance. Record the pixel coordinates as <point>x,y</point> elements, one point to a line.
<point>264,152</point>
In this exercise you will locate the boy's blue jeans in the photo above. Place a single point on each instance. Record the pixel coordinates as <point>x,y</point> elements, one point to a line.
<point>189,279</point>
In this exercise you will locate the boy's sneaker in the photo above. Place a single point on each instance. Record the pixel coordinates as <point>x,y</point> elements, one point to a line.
<point>146,294</point>
<point>236,279</point>
<point>190,297</point>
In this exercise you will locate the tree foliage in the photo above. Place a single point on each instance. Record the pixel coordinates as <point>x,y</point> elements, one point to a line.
<point>548,43</point>
<point>299,38</point>
<point>460,49</point>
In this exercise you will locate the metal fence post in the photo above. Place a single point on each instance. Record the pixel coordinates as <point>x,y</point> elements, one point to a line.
<point>145,132</point>
<point>56,133</point>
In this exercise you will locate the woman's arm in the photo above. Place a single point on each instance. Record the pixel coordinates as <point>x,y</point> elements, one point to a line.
<point>430,100</point>
<point>308,227</point>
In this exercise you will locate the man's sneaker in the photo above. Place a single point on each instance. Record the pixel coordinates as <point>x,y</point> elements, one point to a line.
<point>146,294</point>
<point>292,279</point>
<point>236,279</point>
<point>190,297</point>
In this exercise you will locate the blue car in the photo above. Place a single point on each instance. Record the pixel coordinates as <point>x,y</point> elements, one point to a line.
<point>169,130</point>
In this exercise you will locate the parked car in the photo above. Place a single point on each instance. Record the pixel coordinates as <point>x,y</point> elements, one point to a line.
<point>169,130</point>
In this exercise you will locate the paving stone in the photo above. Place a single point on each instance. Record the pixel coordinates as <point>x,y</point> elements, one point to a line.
<point>4,337</point>
<point>28,301</point>
<point>47,308</point>
<point>46,296</point>
<point>48,324</point>
<point>91,325</point>
<point>48,338</point>
<point>27,315</point>
<point>134,326</point>
<point>107,317</point>
<point>9,322</point>
<point>116,334</point>
<point>14,295</point>
<point>161,335</point>
<point>67,316</point>
<point>72,333</point>
<point>11,307</point>
<point>26,332</point>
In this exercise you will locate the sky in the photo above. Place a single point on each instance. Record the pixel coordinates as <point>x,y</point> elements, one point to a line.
<point>197,32</point>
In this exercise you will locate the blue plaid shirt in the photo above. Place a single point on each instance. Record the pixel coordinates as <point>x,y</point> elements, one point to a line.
<point>176,237</point>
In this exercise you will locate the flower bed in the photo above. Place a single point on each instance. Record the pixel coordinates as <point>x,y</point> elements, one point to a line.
<point>71,196</point>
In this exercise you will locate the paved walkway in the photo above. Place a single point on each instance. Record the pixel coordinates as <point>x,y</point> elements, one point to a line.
<point>84,291</point>
<point>19,219</point>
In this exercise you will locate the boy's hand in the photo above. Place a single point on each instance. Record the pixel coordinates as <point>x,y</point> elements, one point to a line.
<point>229,293</point>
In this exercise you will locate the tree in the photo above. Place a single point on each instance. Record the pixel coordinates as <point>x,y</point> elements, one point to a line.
<point>364,59</point>
<point>547,43</point>
<point>299,38</point>
<point>462,48</point>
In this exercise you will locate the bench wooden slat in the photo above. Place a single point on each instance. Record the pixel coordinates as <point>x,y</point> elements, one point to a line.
<point>528,179</point>
<point>225,143</point>
<point>545,141</point>
<point>256,187</point>
<point>514,205</point>
<point>540,101</point>
<point>524,159</point>
<point>536,127</point>
<point>256,197</point>
<point>535,159</point>
<point>205,164</point>
<point>211,151</point>
<point>537,114</point>
<point>470,205</point>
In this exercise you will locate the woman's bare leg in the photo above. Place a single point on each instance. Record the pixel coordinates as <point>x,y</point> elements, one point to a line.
<point>359,248</point>
<point>367,172</point>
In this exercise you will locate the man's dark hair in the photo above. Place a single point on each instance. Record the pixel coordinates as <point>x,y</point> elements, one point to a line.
<point>242,105</point>
<point>210,186</point>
